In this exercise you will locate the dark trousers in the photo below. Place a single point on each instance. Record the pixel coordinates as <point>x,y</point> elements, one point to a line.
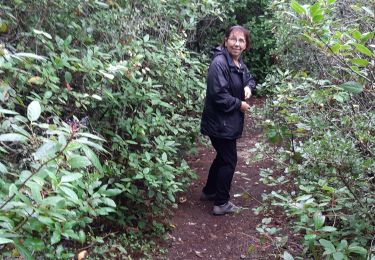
<point>222,169</point>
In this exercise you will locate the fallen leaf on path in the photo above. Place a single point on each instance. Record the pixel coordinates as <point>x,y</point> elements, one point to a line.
<point>82,255</point>
<point>199,254</point>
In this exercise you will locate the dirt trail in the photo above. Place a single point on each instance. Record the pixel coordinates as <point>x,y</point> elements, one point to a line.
<point>200,235</point>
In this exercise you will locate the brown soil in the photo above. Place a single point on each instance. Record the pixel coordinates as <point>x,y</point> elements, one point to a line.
<point>197,234</point>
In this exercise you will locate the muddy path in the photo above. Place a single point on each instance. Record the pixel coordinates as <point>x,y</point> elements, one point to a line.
<point>197,234</point>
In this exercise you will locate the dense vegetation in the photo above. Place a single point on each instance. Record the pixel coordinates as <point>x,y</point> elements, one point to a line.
<point>100,100</point>
<point>321,116</point>
<point>97,100</point>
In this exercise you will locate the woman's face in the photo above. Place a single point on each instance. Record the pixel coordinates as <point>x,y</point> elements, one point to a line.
<point>235,43</point>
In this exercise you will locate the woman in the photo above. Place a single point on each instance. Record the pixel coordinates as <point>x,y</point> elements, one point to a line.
<point>229,83</point>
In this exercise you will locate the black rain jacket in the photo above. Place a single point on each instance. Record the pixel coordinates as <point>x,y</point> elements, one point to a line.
<point>222,117</point>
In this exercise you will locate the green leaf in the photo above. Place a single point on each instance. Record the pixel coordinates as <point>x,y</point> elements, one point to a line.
<point>47,94</point>
<point>357,249</point>
<point>47,35</point>
<point>8,112</point>
<point>315,9</point>
<point>367,36</point>
<point>23,251</point>
<point>317,18</point>
<point>164,157</point>
<point>297,7</point>
<point>35,190</point>
<point>359,62</point>
<point>71,194</point>
<point>319,219</point>
<point>363,49</point>
<point>56,237</point>
<point>52,200</point>
<point>310,237</point>
<point>82,236</point>
<point>336,47</point>
<point>112,192</point>
<point>91,136</point>
<point>102,4</point>
<point>3,27</point>
<point>79,161</point>
<point>328,246</point>
<point>328,229</point>
<point>109,202</point>
<point>28,55</point>
<point>34,243</point>
<point>20,130</point>
<point>287,256</point>
<point>171,197</point>
<point>369,11</point>
<point>36,80</point>
<point>304,197</point>
<point>3,168</point>
<point>13,138</point>
<point>93,158</point>
<point>46,220</point>
<point>352,87</point>
<point>338,256</point>
<point>356,35</point>
<point>89,143</point>
<point>12,190</point>
<point>71,177</point>
<point>47,150</point>
<point>5,241</point>
<point>331,2</point>
<point>338,98</point>
<point>33,111</point>
<point>68,77</point>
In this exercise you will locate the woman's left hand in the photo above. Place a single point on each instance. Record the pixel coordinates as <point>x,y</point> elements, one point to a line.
<point>247,92</point>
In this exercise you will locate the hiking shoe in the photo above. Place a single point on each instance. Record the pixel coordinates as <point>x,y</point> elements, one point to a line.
<point>226,208</point>
<point>207,197</point>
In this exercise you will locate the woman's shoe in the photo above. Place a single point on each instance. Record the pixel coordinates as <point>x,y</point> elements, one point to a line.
<point>226,208</point>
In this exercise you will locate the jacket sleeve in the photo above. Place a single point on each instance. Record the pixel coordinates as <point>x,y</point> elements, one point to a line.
<point>218,88</point>
<point>249,81</point>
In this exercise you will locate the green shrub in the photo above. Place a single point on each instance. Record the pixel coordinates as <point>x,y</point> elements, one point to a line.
<point>120,97</point>
<point>321,115</point>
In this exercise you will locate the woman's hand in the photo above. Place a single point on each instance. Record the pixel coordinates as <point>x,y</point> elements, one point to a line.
<point>244,106</point>
<point>247,92</point>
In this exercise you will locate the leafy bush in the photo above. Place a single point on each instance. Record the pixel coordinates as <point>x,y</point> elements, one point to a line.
<point>322,116</point>
<point>119,96</point>
<point>50,181</point>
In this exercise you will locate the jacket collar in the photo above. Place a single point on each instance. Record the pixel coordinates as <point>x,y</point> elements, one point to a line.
<point>230,60</point>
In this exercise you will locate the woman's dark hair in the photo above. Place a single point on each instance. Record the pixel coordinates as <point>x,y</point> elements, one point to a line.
<point>238,28</point>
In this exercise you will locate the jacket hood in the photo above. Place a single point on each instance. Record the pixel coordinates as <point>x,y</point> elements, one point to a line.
<point>217,51</point>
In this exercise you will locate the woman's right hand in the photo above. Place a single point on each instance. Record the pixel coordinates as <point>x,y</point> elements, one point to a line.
<point>244,106</point>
